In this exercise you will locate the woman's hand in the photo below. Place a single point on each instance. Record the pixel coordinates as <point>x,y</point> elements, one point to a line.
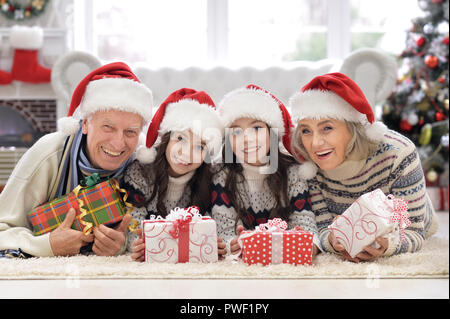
<point>340,248</point>
<point>138,252</point>
<point>234,245</point>
<point>370,253</point>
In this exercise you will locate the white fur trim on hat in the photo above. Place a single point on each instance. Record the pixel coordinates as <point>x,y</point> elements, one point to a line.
<point>318,104</point>
<point>375,131</point>
<point>26,38</point>
<point>307,170</point>
<point>119,94</point>
<point>201,119</point>
<point>251,103</point>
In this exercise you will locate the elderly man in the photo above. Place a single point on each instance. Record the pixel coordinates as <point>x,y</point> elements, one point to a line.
<point>111,108</point>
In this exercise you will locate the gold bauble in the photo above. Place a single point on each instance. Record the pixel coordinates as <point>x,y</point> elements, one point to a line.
<point>446,104</point>
<point>432,175</point>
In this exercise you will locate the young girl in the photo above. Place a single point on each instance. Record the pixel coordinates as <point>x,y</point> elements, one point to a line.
<point>257,181</point>
<point>173,169</point>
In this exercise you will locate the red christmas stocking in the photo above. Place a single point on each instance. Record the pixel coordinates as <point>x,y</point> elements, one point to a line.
<point>5,77</point>
<point>26,41</point>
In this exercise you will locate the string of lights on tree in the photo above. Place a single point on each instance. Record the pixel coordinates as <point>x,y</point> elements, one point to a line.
<point>419,105</point>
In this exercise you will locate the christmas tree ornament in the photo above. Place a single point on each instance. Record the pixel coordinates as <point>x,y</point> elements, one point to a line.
<point>431,61</point>
<point>446,104</point>
<point>436,1</point>
<point>432,176</point>
<point>420,41</point>
<point>444,140</point>
<point>405,126</point>
<point>439,116</point>
<point>26,41</point>
<point>425,134</point>
<point>413,119</point>
<point>445,40</point>
<point>428,28</point>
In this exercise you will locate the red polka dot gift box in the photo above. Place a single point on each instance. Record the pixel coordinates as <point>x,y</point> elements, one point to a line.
<point>271,244</point>
<point>182,236</point>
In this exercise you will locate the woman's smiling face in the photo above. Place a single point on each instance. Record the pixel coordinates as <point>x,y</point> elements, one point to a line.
<point>325,140</point>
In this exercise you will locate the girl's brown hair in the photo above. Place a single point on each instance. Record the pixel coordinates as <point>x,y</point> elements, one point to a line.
<point>157,173</point>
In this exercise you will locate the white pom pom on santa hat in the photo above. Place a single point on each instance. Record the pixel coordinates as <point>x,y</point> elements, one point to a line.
<point>68,125</point>
<point>307,170</point>
<point>145,155</point>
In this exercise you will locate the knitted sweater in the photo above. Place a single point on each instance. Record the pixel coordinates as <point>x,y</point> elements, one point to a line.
<point>258,201</point>
<point>140,189</point>
<point>395,168</point>
<point>29,186</point>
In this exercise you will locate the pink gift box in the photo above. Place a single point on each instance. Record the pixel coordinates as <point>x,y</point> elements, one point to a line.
<point>181,237</point>
<point>372,215</point>
<point>276,246</point>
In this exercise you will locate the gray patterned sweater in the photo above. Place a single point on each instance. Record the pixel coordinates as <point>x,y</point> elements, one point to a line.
<point>396,169</point>
<point>140,189</point>
<point>258,201</point>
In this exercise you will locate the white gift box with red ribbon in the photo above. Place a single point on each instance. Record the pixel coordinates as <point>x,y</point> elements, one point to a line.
<point>271,243</point>
<point>183,236</point>
<point>372,215</point>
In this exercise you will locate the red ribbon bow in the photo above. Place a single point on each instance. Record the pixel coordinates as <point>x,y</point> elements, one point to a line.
<point>400,214</point>
<point>278,223</point>
<point>180,225</point>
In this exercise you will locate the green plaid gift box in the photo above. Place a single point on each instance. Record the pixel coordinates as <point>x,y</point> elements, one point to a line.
<point>94,205</point>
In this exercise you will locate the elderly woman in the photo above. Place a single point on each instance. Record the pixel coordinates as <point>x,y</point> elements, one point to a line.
<point>351,155</point>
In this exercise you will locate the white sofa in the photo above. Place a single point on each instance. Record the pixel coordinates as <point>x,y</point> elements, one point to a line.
<point>374,71</point>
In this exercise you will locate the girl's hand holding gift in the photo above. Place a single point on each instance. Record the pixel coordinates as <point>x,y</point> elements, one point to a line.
<point>234,245</point>
<point>138,247</point>
<point>221,248</point>
<point>371,253</point>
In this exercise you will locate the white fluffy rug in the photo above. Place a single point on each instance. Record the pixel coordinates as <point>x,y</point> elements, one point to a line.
<point>430,262</point>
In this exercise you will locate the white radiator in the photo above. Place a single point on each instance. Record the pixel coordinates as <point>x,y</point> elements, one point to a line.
<point>9,156</point>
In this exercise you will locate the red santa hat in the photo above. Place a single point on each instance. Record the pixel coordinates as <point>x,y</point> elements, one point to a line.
<point>110,87</point>
<point>184,109</point>
<point>336,96</point>
<point>258,103</point>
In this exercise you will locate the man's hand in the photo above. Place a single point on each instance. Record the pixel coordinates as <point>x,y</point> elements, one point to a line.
<point>66,241</point>
<point>234,244</point>
<point>108,241</point>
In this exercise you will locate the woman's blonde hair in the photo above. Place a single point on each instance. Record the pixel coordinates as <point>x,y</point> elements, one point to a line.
<point>360,146</point>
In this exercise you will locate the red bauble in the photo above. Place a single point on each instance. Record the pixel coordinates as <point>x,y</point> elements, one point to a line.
<point>442,80</point>
<point>439,116</point>
<point>431,61</point>
<point>421,41</point>
<point>405,126</point>
<point>445,40</point>
<point>436,1</point>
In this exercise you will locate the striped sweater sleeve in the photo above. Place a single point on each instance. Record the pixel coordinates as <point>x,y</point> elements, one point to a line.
<point>408,182</point>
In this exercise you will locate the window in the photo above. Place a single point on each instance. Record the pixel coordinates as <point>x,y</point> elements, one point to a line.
<point>179,33</point>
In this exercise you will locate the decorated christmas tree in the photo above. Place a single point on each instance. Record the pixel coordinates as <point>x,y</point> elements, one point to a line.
<point>418,106</point>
